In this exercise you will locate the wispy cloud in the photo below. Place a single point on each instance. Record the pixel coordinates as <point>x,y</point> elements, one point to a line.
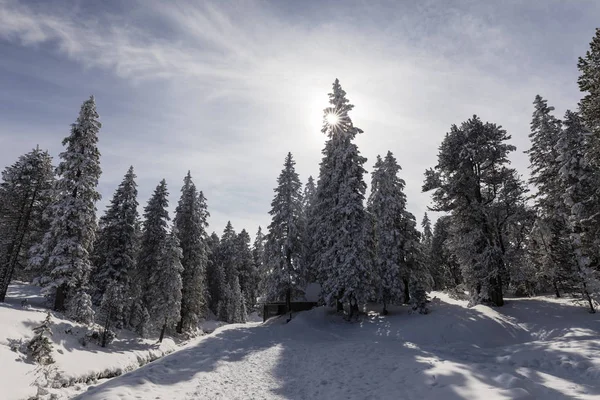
<point>243,83</point>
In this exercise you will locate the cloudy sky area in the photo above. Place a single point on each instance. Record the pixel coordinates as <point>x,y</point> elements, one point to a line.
<point>226,89</point>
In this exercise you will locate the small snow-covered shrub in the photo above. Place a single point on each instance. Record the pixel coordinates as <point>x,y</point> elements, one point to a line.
<point>39,347</point>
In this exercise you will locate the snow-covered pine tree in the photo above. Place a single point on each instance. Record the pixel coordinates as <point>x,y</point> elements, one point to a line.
<point>224,273</point>
<point>283,248</point>
<point>227,253</point>
<point>308,197</point>
<point>214,272</point>
<point>40,346</point>
<point>387,206</point>
<point>427,232</point>
<point>236,306</point>
<point>150,259</point>
<point>115,252</point>
<point>589,83</point>
<point>418,279</point>
<point>191,221</point>
<point>338,220</point>
<point>473,182</point>
<point>579,180</point>
<point>248,274</point>
<point>548,242</point>
<point>25,193</point>
<point>165,310</point>
<point>426,241</point>
<point>446,270</point>
<point>258,257</point>
<point>69,241</point>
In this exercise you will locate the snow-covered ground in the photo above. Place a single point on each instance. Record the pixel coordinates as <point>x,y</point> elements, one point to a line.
<point>75,363</point>
<point>538,348</point>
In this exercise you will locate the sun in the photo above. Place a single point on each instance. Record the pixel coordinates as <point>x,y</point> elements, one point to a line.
<point>332,119</point>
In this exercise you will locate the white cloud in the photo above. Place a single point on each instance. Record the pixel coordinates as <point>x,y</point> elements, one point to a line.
<point>246,85</point>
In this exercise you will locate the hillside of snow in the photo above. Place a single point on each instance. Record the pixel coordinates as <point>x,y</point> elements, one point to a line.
<point>75,363</point>
<point>534,348</point>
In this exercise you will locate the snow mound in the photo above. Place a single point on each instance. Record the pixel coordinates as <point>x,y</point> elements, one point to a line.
<point>535,348</point>
<point>76,364</point>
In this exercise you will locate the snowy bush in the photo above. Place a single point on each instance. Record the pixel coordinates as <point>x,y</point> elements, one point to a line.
<point>39,347</point>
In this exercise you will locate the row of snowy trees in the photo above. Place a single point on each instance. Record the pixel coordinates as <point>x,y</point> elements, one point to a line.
<point>122,271</point>
<point>151,275</point>
<point>496,236</point>
<point>327,234</point>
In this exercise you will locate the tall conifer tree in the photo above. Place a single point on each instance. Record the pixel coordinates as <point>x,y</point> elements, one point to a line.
<point>338,220</point>
<point>387,208</point>
<point>118,243</point>
<point>191,222</point>
<point>150,260</point>
<point>284,240</point>
<point>65,253</point>
<point>578,178</point>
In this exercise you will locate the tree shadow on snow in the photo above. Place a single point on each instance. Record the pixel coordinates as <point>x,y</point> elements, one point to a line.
<point>453,353</point>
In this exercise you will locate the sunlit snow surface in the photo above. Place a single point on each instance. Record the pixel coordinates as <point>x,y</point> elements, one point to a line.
<point>539,348</point>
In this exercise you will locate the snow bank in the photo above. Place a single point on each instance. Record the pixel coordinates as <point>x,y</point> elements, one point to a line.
<point>535,348</point>
<point>76,363</point>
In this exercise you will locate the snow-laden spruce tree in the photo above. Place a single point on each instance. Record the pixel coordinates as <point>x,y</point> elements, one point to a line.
<point>283,248</point>
<point>548,244</point>
<point>65,253</point>
<point>446,270</point>
<point>427,235</point>
<point>150,260</point>
<point>115,254</point>
<point>235,304</point>
<point>473,182</point>
<point>308,197</point>
<point>426,243</point>
<point>227,253</point>
<point>258,259</point>
<point>25,193</point>
<point>225,273</point>
<point>247,272</point>
<point>338,220</point>
<point>191,221</point>
<point>214,273</point>
<point>579,180</point>
<point>40,346</point>
<point>166,286</point>
<point>387,207</point>
<point>589,83</point>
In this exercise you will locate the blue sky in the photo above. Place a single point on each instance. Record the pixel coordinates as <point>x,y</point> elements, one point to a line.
<point>226,89</point>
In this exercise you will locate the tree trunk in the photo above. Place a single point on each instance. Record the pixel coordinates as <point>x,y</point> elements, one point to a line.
<point>59,299</point>
<point>385,310</point>
<point>353,309</point>
<point>288,299</point>
<point>340,306</point>
<point>588,298</point>
<point>162,332</point>
<point>496,296</point>
<point>555,283</point>
<point>106,328</point>
<point>406,291</point>
<point>179,327</point>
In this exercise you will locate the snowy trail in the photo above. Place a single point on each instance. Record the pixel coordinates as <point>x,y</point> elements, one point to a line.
<point>453,353</point>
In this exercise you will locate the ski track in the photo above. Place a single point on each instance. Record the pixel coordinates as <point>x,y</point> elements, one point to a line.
<point>453,353</point>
